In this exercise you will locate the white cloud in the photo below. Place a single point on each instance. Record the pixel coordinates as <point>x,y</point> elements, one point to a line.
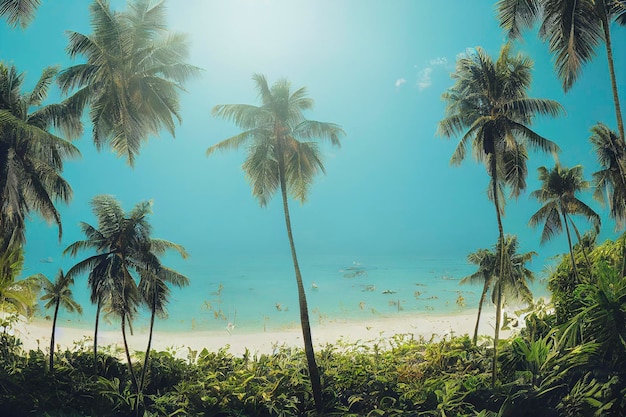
<point>423,78</point>
<point>439,61</point>
<point>400,81</point>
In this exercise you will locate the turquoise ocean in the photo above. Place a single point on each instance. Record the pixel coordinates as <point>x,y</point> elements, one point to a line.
<point>259,294</point>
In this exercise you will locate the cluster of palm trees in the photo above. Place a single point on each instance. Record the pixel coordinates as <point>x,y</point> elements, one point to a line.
<point>133,72</point>
<point>489,108</point>
<point>130,82</point>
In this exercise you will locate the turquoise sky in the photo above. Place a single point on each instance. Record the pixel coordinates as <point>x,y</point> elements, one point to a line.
<point>378,69</point>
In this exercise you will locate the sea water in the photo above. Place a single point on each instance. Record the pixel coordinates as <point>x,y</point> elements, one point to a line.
<point>260,294</point>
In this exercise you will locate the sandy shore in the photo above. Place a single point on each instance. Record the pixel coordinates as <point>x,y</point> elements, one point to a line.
<point>37,333</point>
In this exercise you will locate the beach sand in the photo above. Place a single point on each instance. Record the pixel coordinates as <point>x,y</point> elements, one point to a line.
<point>37,334</point>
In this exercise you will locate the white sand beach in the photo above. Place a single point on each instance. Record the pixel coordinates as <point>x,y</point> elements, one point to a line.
<point>437,326</point>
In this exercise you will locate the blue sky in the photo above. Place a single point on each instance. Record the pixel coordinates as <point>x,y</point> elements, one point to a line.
<point>376,68</point>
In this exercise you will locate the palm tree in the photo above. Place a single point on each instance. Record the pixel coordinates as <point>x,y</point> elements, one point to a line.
<point>490,100</point>
<point>155,292</point>
<point>610,182</point>
<point>133,73</point>
<point>281,154</point>
<point>123,249</point>
<point>31,156</point>
<point>558,193</point>
<point>573,28</point>
<point>486,274</point>
<point>16,296</point>
<point>18,12</point>
<point>57,294</point>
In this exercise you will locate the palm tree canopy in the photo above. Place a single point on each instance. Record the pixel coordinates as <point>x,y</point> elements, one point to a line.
<point>572,28</point>
<point>485,259</point>
<point>17,296</point>
<point>132,76</point>
<point>19,12</point>
<point>609,181</point>
<point>516,275</point>
<point>31,157</point>
<point>277,132</point>
<point>488,105</point>
<point>59,292</point>
<point>558,193</point>
<point>122,249</point>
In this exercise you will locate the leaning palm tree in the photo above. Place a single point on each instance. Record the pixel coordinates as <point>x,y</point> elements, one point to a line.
<point>155,292</point>
<point>489,105</point>
<point>573,28</point>
<point>58,294</point>
<point>132,76</point>
<point>486,274</point>
<point>281,154</point>
<point>19,12</point>
<point>558,195</point>
<point>31,155</point>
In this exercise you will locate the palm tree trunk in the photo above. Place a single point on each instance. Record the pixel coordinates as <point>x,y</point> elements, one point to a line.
<point>609,53</point>
<point>480,309</point>
<point>147,357</point>
<point>571,249</point>
<point>95,337</point>
<point>496,202</point>
<point>130,364</point>
<point>54,325</point>
<point>580,242</point>
<point>314,374</point>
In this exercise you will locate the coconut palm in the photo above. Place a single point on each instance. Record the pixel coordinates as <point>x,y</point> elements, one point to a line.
<point>122,246</point>
<point>486,274</point>
<point>558,193</point>
<point>281,154</point>
<point>573,29</point>
<point>154,290</point>
<point>132,76</point>
<point>489,105</point>
<point>31,156</point>
<point>610,182</point>
<point>19,12</point>
<point>16,296</point>
<point>58,294</point>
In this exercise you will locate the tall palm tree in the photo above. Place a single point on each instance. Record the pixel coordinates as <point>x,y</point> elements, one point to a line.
<point>155,292</point>
<point>281,154</point>
<point>486,274</point>
<point>490,100</point>
<point>124,249</point>
<point>19,12</point>
<point>133,73</point>
<point>57,294</point>
<point>558,193</point>
<point>31,156</point>
<point>573,29</point>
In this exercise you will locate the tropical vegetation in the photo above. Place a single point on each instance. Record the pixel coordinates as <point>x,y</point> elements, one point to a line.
<point>124,253</point>
<point>567,358</point>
